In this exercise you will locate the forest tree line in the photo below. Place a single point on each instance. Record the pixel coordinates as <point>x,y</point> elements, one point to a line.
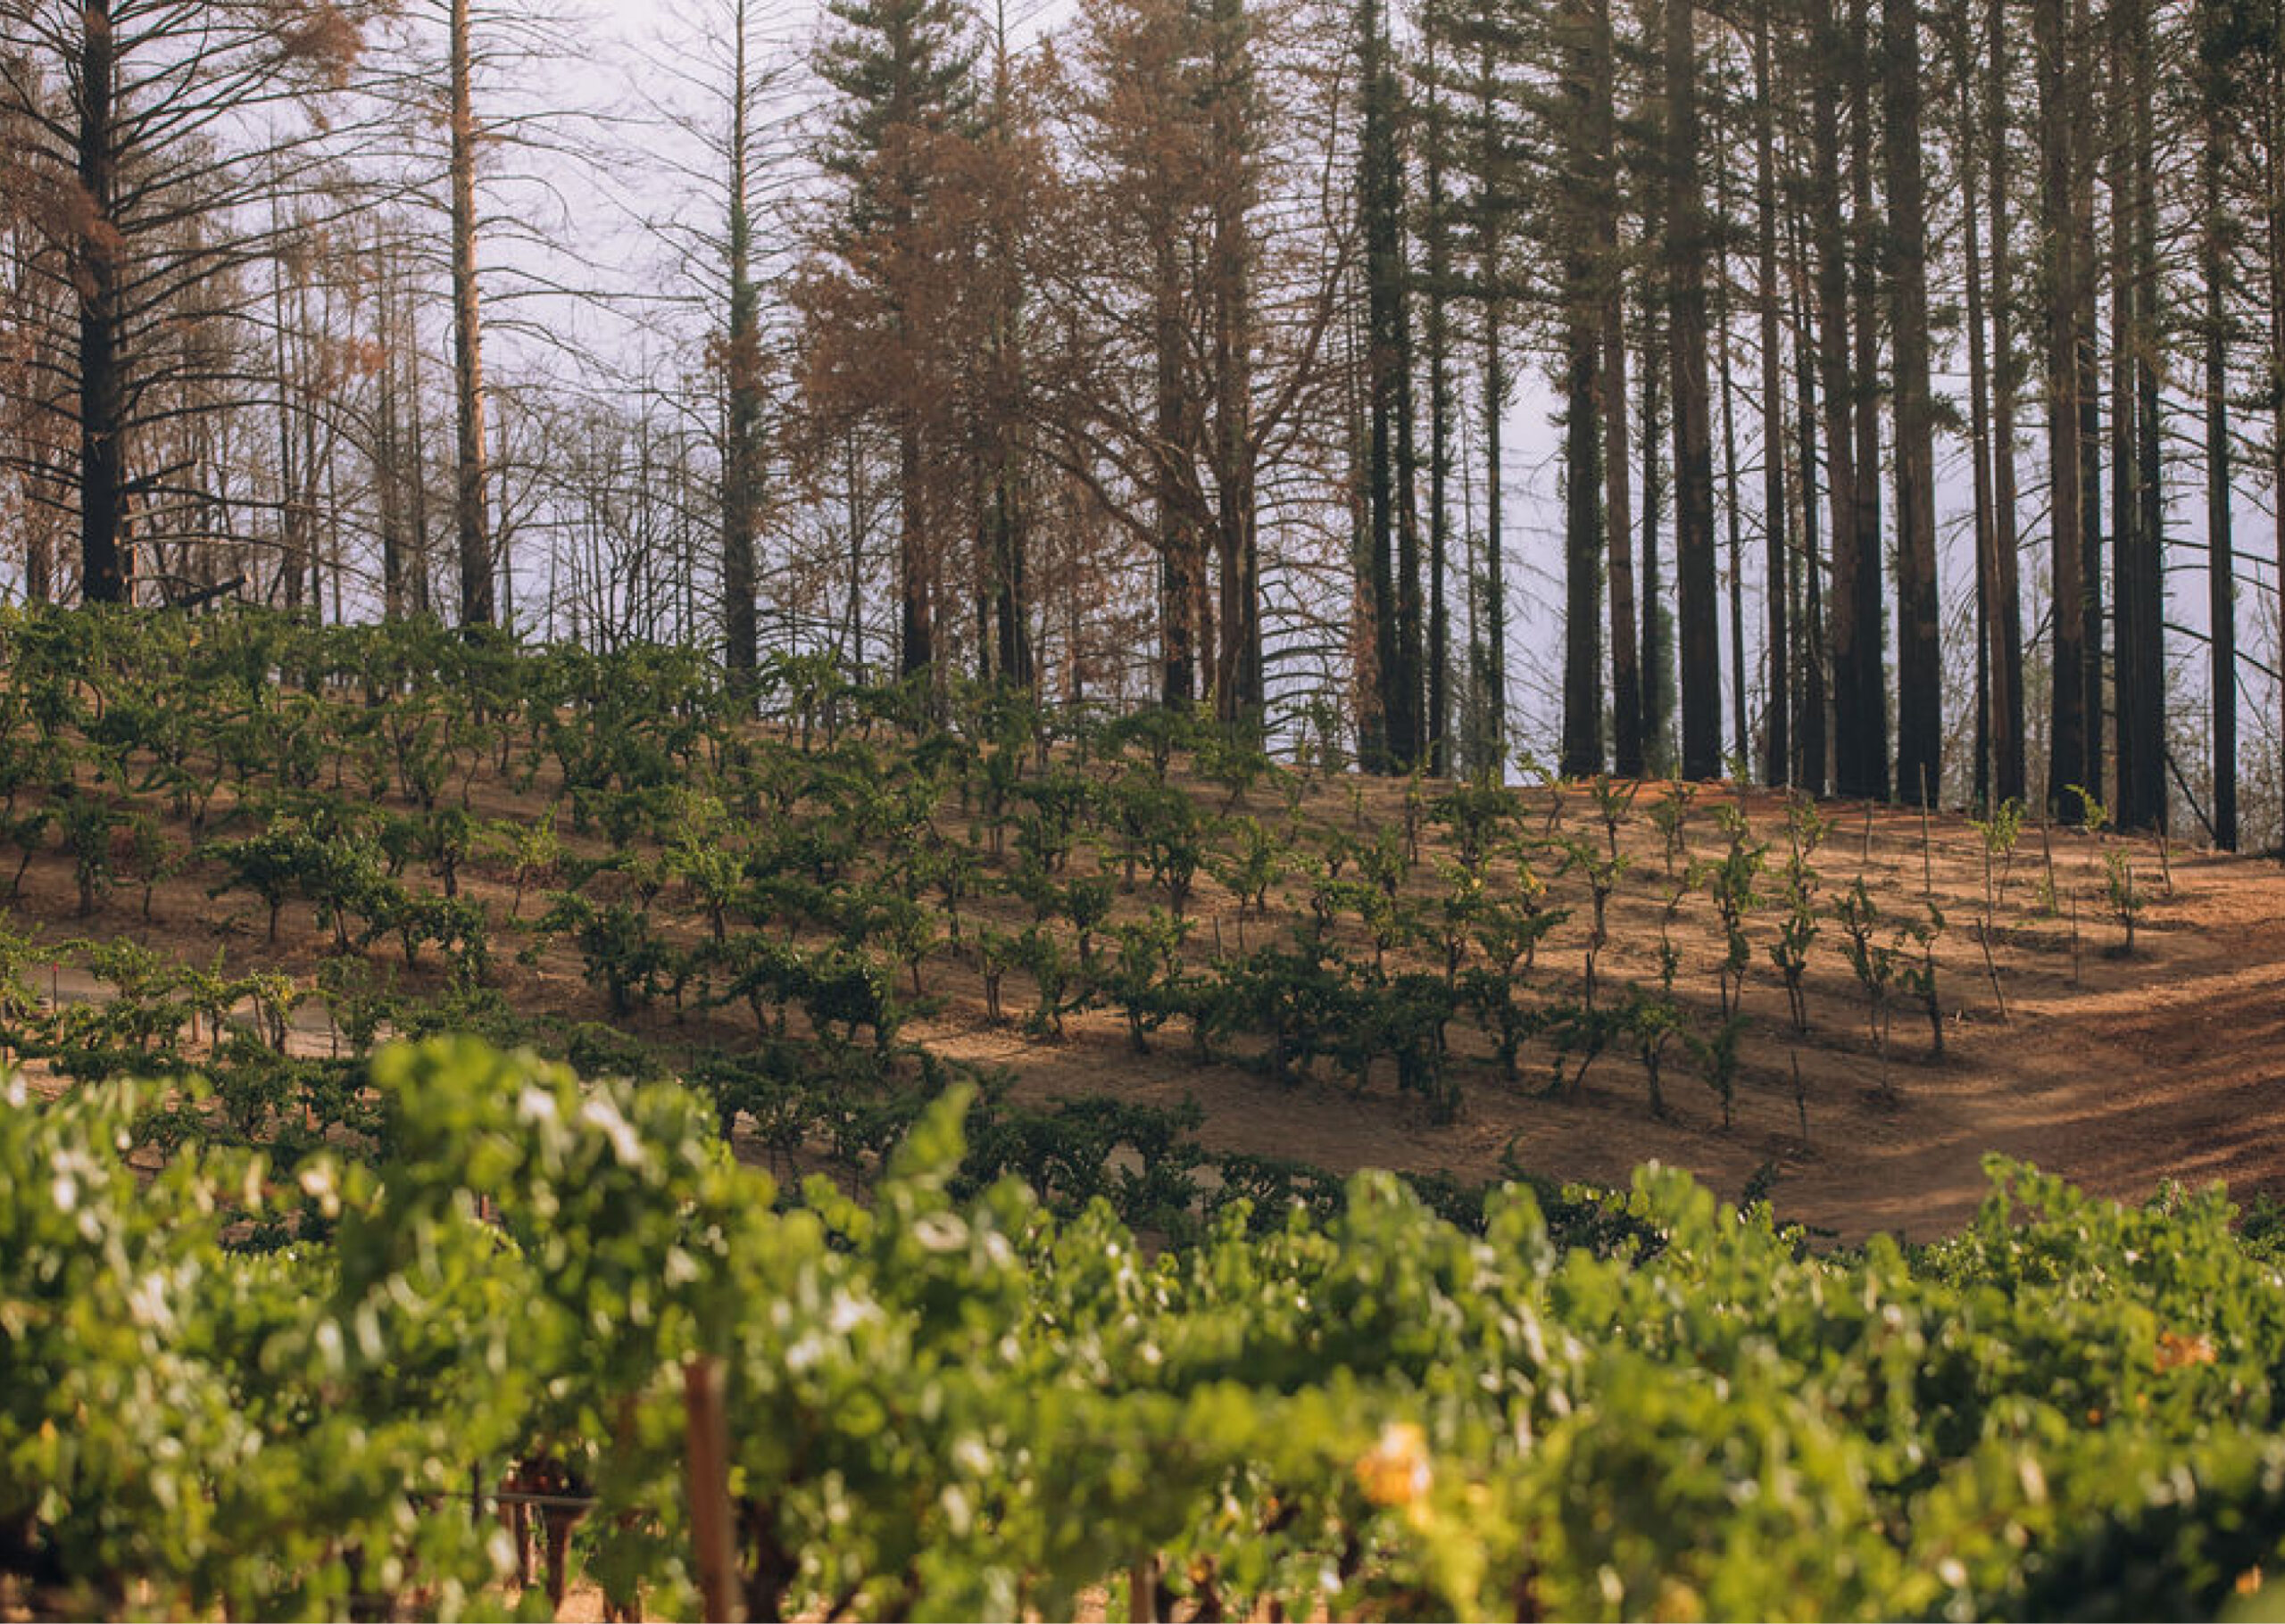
<point>1885,372</point>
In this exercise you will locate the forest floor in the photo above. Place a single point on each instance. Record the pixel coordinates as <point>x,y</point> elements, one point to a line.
<point>2117,1072</point>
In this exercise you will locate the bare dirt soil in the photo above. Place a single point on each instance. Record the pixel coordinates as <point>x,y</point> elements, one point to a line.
<point>2118,1072</point>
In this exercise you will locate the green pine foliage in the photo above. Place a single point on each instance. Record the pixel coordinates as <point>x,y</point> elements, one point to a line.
<point>896,68</point>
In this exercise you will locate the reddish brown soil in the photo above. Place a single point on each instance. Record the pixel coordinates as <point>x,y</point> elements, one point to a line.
<point>2119,1073</point>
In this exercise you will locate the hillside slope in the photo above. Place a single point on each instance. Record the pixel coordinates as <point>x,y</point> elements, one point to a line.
<point>1313,968</point>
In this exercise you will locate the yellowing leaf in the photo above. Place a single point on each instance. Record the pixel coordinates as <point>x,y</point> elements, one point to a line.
<point>2175,1350</point>
<point>1395,1471</point>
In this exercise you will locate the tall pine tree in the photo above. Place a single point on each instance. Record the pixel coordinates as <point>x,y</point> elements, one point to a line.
<point>1393,525</point>
<point>902,72</point>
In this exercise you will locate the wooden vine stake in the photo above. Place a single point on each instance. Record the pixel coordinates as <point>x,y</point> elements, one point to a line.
<point>1800,1096</point>
<point>707,1458</point>
<point>1142,1590</point>
<point>1927,853</point>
